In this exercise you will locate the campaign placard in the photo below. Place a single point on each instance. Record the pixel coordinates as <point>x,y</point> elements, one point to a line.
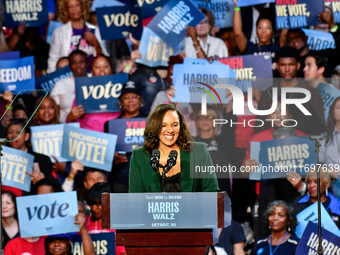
<point>14,166</point>
<point>51,27</point>
<point>17,75</point>
<point>105,3</point>
<point>188,79</point>
<point>10,55</point>
<point>335,6</point>
<point>310,214</point>
<point>154,51</point>
<point>104,243</point>
<point>328,94</point>
<point>309,241</point>
<point>49,80</point>
<point>47,140</point>
<point>149,7</point>
<point>223,11</point>
<point>248,74</point>
<point>130,133</point>
<point>200,61</point>
<point>318,40</point>
<point>171,21</point>
<point>33,13</point>
<point>118,22</point>
<point>93,149</point>
<point>99,94</point>
<point>243,3</point>
<point>297,13</point>
<point>48,214</point>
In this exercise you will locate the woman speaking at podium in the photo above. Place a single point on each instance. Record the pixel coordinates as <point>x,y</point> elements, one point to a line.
<point>167,131</point>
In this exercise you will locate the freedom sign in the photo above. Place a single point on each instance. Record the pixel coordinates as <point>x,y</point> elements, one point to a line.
<point>48,81</point>
<point>118,22</point>
<point>93,149</point>
<point>104,243</point>
<point>33,13</point>
<point>318,40</point>
<point>170,23</point>
<point>14,166</point>
<point>149,7</point>
<point>47,140</point>
<point>297,13</point>
<point>328,94</point>
<point>48,214</point>
<point>130,133</point>
<point>99,94</point>
<point>17,75</point>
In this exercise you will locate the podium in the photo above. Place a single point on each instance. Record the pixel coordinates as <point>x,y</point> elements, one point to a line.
<point>166,223</point>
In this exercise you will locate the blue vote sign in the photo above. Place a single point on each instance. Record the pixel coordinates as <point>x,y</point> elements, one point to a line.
<point>10,55</point>
<point>99,94</point>
<point>243,3</point>
<point>93,149</point>
<point>49,80</point>
<point>335,6</point>
<point>105,3</point>
<point>48,214</point>
<point>318,40</point>
<point>17,75</point>
<point>328,94</point>
<point>104,243</point>
<point>149,7</point>
<point>118,22</point>
<point>14,166</point>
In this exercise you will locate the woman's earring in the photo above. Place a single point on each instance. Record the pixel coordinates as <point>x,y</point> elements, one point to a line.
<point>270,227</point>
<point>141,105</point>
<point>326,192</point>
<point>289,229</point>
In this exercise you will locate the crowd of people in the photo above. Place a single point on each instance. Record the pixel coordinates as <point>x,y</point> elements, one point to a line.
<point>263,212</point>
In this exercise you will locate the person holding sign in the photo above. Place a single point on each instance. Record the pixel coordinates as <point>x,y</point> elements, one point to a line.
<point>166,134</point>
<point>282,223</point>
<point>10,226</point>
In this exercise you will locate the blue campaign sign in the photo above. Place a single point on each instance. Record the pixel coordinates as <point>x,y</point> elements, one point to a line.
<point>243,3</point>
<point>297,13</point>
<point>335,6</point>
<point>149,7</point>
<point>328,94</point>
<point>34,13</point>
<point>14,165</point>
<point>200,61</point>
<point>187,79</point>
<point>318,40</point>
<point>310,214</point>
<point>223,11</point>
<point>104,243</point>
<point>248,74</point>
<point>48,81</point>
<point>118,22</point>
<point>255,148</point>
<point>17,75</point>
<point>100,93</point>
<point>51,27</point>
<point>10,55</point>
<point>154,51</point>
<point>170,23</point>
<point>48,214</point>
<point>105,3</point>
<point>47,140</point>
<point>93,149</point>
<point>309,241</point>
<point>130,133</point>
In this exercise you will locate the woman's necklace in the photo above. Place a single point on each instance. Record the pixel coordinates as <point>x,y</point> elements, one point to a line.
<point>270,244</point>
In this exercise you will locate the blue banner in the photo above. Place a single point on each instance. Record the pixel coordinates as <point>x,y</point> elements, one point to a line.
<point>297,13</point>
<point>14,165</point>
<point>93,149</point>
<point>223,11</point>
<point>318,40</point>
<point>149,8</point>
<point>328,94</point>
<point>17,75</point>
<point>33,13</point>
<point>48,214</point>
<point>104,243</point>
<point>130,133</point>
<point>243,3</point>
<point>155,52</point>
<point>100,93</point>
<point>170,23</point>
<point>187,79</point>
<point>249,74</point>
<point>335,6</point>
<point>310,214</point>
<point>199,61</point>
<point>51,27</point>
<point>47,140</point>
<point>118,22</point>
<point>48,81</point>
<point>10,55</point>
<point>105,3</point>
<point>309,241</point>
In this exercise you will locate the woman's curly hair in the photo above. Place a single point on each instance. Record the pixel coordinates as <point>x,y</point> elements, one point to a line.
<point>63,14</point>
<point>154,126</point>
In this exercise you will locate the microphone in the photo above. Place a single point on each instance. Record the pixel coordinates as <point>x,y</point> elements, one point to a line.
<point>171,161</point>
<point>154,160</point>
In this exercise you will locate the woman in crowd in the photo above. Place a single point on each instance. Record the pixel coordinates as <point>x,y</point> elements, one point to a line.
<point>48,112</point>
<point>166,131</point>
<point>329,201</point>
<point>75,34</point>
<point>282,223</point>
<point>199,43</point>
<point>20,112</point>
<point>10,226</point>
